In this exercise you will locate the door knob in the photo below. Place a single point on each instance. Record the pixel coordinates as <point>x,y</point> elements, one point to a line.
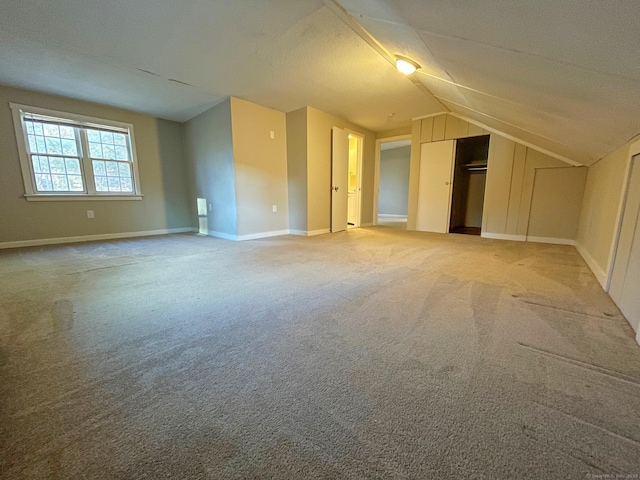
<point>334,188</point>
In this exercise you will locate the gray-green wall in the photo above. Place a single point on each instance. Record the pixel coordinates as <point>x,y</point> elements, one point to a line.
<point>159,147</point>
<point>209,148</point>
<point>393,194</point>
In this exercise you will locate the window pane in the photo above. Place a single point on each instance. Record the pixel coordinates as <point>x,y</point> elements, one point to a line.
<point>32,144</point>
<point>51,130</point>
<point>53,146</point>
<point>106,137</point>
<point>126,185</point>
<point>44,164</point>
<point>57,165</point>
<point>29,126</point>
<point>119,139</point>
<point>112,169</point>
<point>95,150</point>
<point>43,183</point>
<point>60,183</point>
<point>36,164</point>
<point>73,166</point>
<point>40,146</point>
<point>123,170</point>
<point>67,132</point>
<point>121,153</point>
<point>101,184</point>
<point>108,152</point>
<point>75,183</point>
<point>93,136</point>
<point>114,184</point>
<point>69,147</point>
<point>37,128</point>
<point>98,168</point>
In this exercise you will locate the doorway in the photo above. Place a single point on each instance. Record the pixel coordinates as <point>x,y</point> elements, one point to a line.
<point>469,180</point>
<point>354,193</point>
<point>394,160</point>
<point>346,179</point>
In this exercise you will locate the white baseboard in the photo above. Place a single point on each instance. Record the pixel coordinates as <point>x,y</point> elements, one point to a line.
<point>391,215</point>
<point>600,274</point>
<point>254,236</point>
<point>322,231</point>
<point>225,236</point>
<point>553,241</point>
<point>504,236</point>
<point>91,238</point>
<point>305,233</point>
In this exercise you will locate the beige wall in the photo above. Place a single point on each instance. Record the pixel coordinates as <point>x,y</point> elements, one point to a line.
<point>209,151</point>
<point>598,220</point>
<point>319,126</point>
<point>163,179</point>
<point>297,169</point>
<point>556,202</point>
<point>510,182</point>
<point>260,168</point>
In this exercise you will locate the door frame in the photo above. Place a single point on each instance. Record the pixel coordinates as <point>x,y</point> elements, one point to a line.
<point>634,150</point>
<point>376,171</point>
<point>360,137</point>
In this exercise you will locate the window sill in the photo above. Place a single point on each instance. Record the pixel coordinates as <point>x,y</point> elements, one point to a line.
<point>76,198</point>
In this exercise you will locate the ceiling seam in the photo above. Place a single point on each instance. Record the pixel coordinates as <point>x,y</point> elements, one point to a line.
<point>518,140</point>
<point>506,123</point>
<point>365,35</point>
<point>498,47</point>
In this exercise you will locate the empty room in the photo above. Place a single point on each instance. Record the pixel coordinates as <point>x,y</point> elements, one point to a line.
<point>319,239</point>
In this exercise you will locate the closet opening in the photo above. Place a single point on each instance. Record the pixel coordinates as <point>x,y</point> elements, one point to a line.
<point>469,179</point>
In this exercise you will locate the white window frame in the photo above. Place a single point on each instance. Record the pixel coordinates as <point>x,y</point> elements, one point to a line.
<point>79,121</point>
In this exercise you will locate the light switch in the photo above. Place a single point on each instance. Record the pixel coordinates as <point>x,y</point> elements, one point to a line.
<point>272,134</point>
<point>90,214</point>
<point>275,208</point>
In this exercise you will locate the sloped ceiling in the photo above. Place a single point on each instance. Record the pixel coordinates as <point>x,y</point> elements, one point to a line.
<point>564,76</point>
<point>283,54</point>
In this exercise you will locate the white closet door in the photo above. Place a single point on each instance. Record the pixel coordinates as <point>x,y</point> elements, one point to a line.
<point>625,281</point>
<point>434,191</point>
<point>339,179</point>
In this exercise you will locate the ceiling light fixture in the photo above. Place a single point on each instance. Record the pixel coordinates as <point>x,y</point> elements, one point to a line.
<point>406,65</point>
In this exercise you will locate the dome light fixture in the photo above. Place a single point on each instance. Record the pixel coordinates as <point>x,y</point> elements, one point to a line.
<point>406,65</point>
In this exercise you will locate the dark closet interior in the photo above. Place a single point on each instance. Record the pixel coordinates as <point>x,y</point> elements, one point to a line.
<point>469,181</point>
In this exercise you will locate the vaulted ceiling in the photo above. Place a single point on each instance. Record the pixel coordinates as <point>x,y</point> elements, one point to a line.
<point>564,76</point>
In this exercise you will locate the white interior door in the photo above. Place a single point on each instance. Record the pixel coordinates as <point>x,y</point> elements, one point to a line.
<point>339,179</point>
<point>625,280</point>
<point>434,191</point>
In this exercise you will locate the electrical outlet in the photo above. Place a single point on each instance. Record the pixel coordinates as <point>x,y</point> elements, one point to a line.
<point>210,208</point>
<point>275,208</point>
<point>272,134</point>
<point>90,214</point>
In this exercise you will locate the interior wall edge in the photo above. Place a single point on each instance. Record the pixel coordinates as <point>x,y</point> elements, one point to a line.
<point>597,271</point>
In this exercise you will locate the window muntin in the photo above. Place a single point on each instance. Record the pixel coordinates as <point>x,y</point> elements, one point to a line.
<point>67,155</point>
<point>58,170</point>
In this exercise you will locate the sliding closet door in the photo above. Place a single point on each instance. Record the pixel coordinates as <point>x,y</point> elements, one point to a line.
<point>625,281</point>
<point>434,191</point>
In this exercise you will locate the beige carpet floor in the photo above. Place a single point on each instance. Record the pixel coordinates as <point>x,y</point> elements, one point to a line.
<point>373,353</point>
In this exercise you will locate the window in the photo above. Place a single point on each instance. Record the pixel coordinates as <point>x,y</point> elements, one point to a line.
<point>66,156</point>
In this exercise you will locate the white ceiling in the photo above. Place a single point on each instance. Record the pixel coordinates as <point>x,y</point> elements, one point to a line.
<point>561,75</point>
<point>395,144</point>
